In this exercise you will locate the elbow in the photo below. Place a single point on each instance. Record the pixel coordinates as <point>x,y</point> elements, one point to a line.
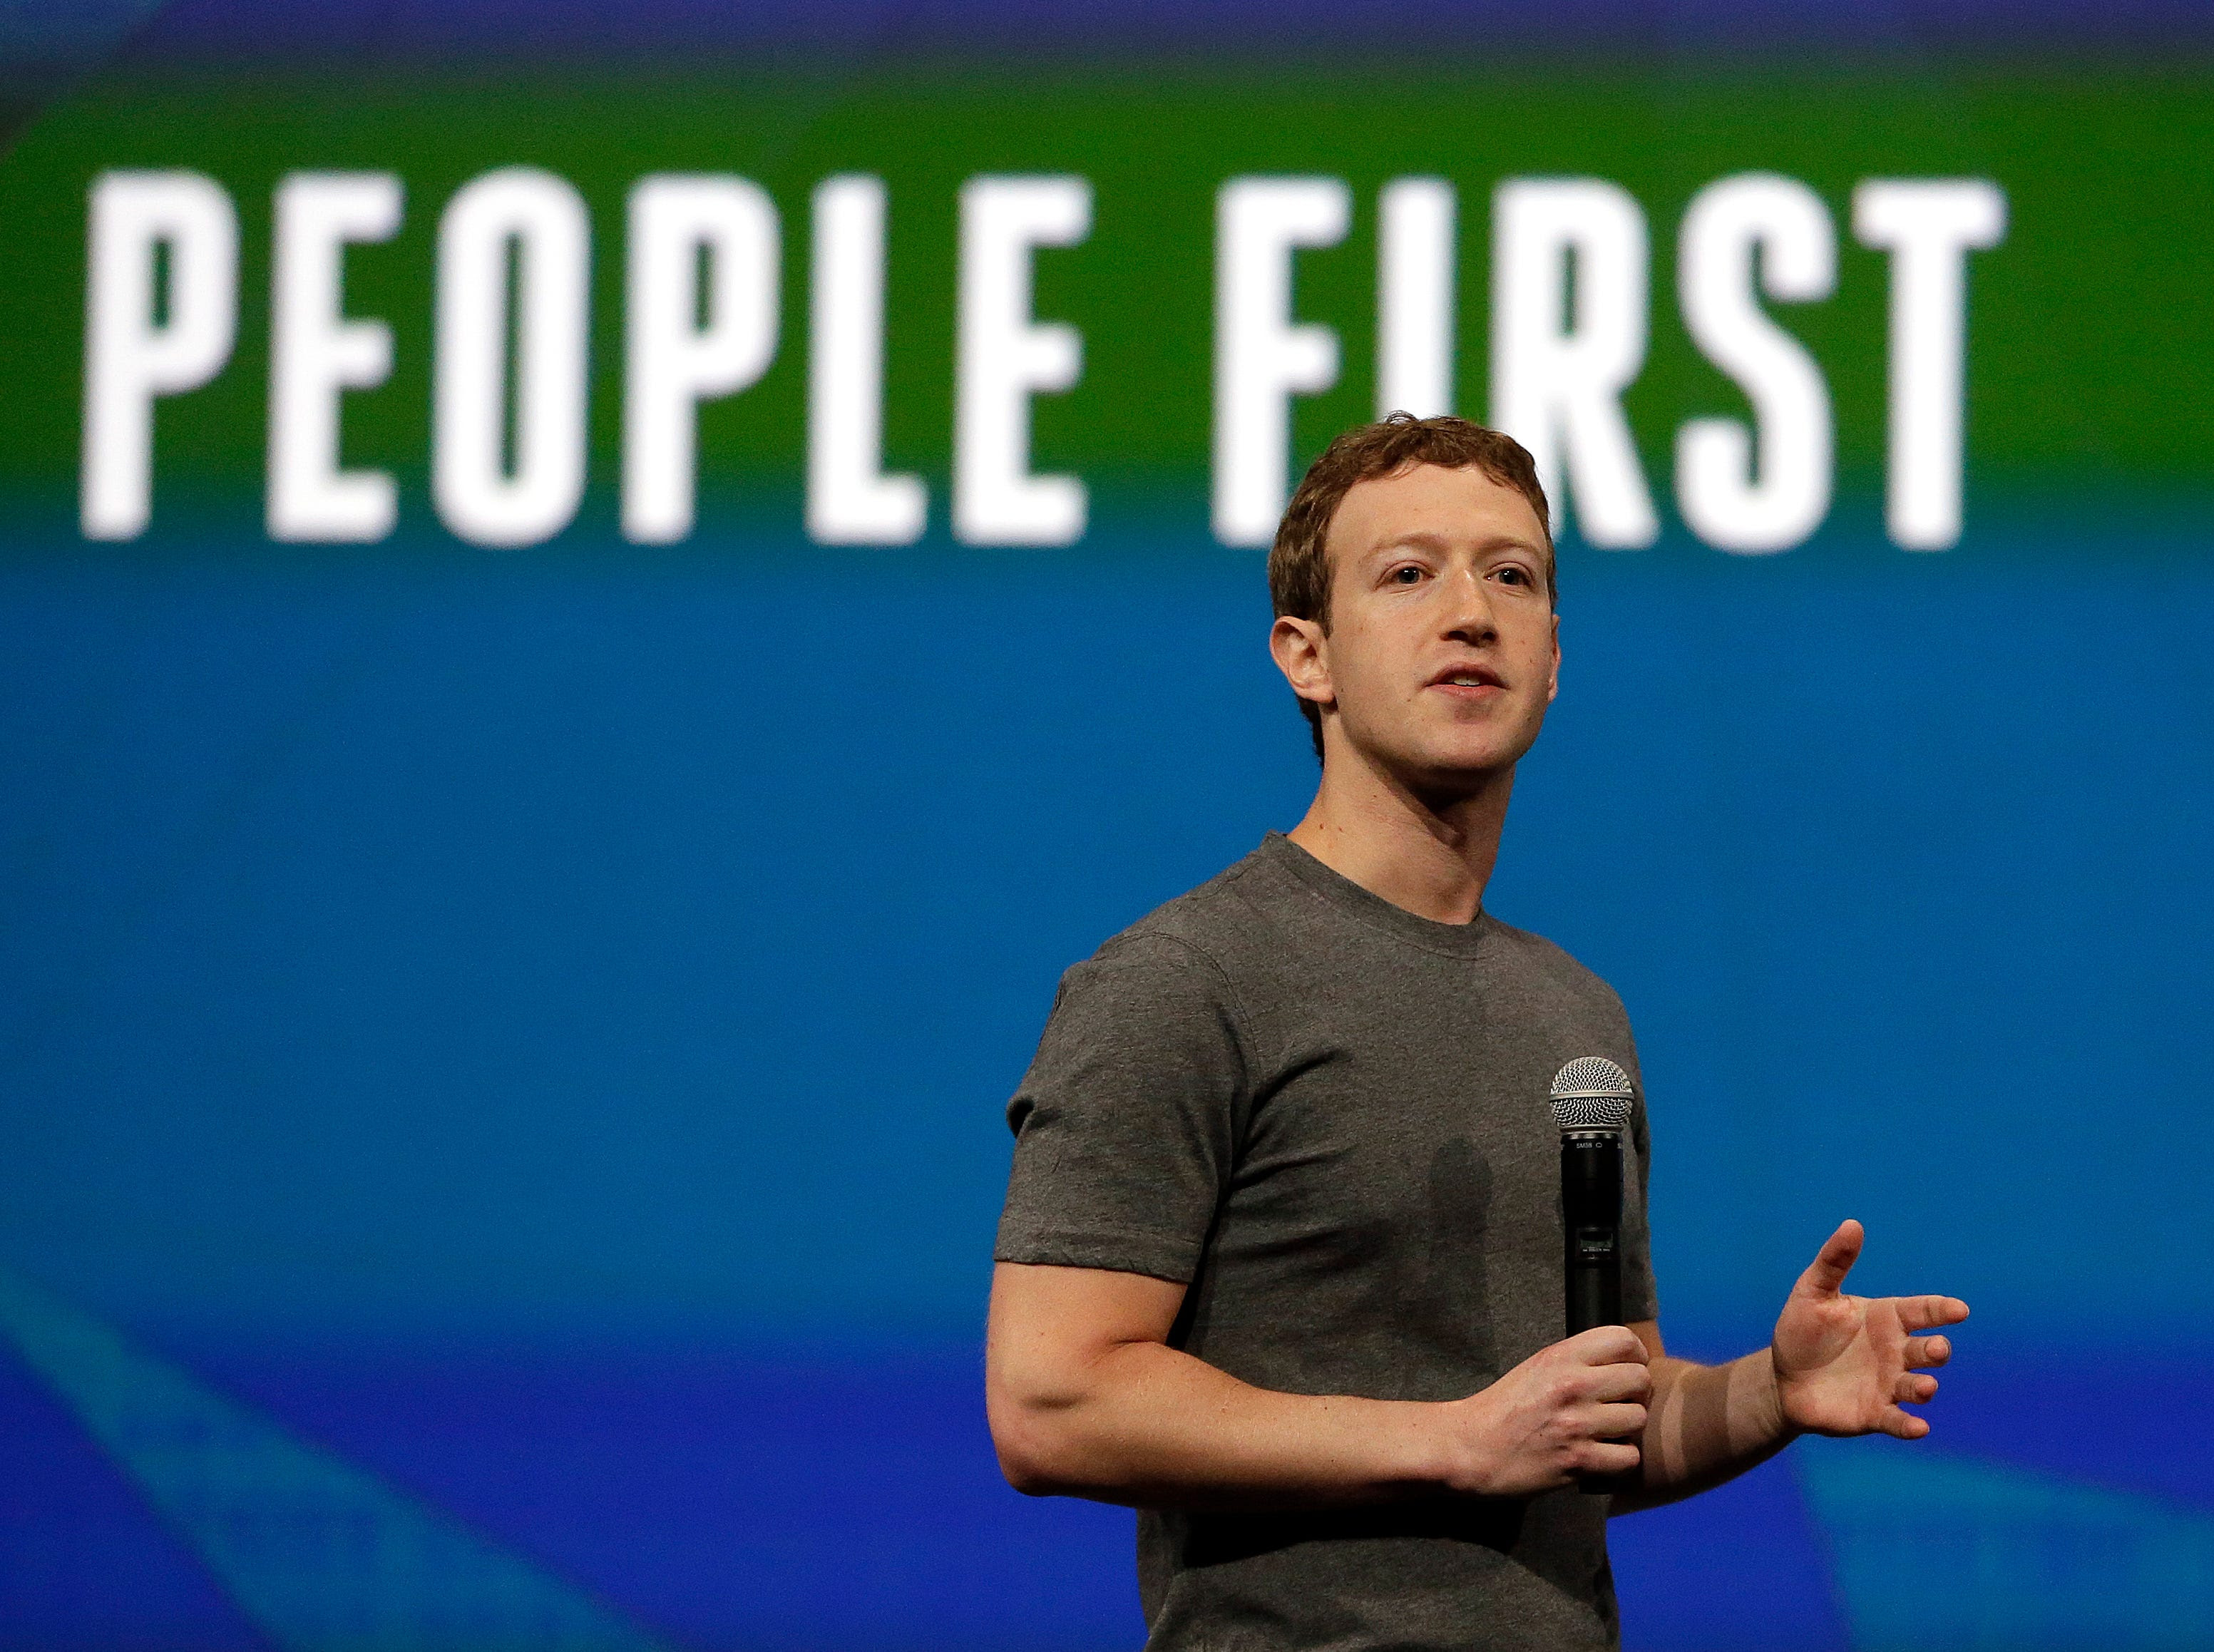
<point>1027,1473</point>
<point>1032,1447</point>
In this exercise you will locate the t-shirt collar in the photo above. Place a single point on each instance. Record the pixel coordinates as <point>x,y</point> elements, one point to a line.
<point>1372,910</point>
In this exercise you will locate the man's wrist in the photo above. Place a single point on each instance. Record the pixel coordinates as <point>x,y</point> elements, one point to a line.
<point>1757,1395</point>
<point>1433,1448</point>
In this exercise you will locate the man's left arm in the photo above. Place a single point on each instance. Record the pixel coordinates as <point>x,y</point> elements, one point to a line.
<point>1839,1365</point>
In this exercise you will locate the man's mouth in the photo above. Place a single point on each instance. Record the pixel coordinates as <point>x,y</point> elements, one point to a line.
<point>1465,677</point>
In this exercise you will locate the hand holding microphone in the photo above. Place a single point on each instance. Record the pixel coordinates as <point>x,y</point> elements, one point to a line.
<point>1572,1413</point>
<point>1591,1104</point>
<point>1566,1414</point>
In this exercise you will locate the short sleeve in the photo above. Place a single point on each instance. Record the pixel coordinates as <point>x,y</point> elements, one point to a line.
<point>1125,1123</point>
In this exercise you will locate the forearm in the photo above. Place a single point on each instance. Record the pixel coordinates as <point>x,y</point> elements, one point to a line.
<point>1143,1424</point>
<point>1707,1424</point>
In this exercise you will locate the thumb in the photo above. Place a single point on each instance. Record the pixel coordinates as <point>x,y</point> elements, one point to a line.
<point>1826,1275</point>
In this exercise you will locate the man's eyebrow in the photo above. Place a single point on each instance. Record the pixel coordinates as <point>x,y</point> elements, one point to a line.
<point>1424,539</point>
<point>1418,539</point>
<point>1513,542</point>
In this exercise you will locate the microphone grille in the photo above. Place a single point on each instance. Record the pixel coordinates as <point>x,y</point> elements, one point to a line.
<point>1591,1094</point>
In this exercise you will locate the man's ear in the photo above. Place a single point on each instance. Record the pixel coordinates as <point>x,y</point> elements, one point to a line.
<point>1553,675</point>
<point>1301,651</point>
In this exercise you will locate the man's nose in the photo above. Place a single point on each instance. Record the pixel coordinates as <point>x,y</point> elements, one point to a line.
<point>1469,615</point>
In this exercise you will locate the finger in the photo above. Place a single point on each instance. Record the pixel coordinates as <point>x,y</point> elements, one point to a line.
<point>1923,1352</point>
<point>1913,1390</point>
<point>1901,1425</point>
<point>1621,1382</point>
<point>1925,1312</point>
<point>1826,1275</point>
<point>1603,1457</point>
<point>1607,1345</point>
<point>1616,1422</point>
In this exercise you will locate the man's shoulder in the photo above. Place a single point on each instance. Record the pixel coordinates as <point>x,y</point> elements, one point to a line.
<point>1219,929</point>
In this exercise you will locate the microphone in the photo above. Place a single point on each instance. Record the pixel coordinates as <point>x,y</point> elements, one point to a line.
<point>1591,1104</point>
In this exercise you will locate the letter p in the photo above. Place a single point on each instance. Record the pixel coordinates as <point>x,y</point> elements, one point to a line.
<point>146,338</point>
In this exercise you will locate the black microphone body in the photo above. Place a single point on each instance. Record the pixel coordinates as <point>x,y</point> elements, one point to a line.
<point>1590,1212</point>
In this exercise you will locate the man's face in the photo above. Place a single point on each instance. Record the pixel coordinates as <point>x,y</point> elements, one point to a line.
<point>1443,651</point>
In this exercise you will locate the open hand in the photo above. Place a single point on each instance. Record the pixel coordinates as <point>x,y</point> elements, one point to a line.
<point>1846,1364</point>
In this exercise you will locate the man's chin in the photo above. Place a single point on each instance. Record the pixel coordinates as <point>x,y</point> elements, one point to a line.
<point>1459,759</point>
<point>1457,768</point>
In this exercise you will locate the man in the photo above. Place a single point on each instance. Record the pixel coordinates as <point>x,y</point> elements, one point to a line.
<point>1282,1259</point>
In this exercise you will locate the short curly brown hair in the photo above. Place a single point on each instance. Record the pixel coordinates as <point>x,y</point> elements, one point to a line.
<point>1299,562</point>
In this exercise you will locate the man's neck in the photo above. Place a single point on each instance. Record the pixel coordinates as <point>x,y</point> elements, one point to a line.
<point>1430,856</point>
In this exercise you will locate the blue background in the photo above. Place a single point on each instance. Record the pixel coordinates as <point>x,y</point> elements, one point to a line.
<point>536,1028</point>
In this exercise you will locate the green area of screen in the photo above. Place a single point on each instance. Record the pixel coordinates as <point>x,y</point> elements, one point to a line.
<point>2091,346</point>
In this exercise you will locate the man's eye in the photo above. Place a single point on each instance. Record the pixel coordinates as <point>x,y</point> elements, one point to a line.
<point>1404,576</point>
<point>1517,576</point>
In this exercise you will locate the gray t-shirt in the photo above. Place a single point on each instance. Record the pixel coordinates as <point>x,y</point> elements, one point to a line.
<point>1330,1118</point>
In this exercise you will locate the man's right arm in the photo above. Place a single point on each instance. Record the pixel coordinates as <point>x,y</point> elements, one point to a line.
<point>1086,1398</point>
